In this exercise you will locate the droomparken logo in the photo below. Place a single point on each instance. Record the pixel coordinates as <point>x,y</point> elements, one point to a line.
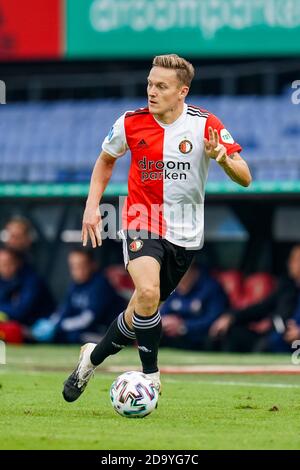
<point>158,170</point>
<point>2,352</point>
<point>2,92</point>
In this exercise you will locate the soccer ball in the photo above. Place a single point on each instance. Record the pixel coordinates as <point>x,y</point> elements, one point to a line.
<point>133,395</point>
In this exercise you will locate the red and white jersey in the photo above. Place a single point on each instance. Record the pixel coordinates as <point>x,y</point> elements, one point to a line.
<point>168,171</point>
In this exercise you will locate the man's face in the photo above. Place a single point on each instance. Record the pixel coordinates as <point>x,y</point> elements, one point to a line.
<point>9,265</point>
<point>294,264</point>
<point>81,268</point>
<point>18,237</point>
<point>164,90</point>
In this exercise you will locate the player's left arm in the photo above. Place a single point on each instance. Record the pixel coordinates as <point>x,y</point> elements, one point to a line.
<point>236,168</point>
<point>220,146</point>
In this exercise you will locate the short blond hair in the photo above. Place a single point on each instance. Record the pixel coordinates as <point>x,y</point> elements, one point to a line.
<point>184,70</point>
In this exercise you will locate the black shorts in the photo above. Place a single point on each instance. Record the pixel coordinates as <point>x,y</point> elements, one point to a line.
<point>174,260</point>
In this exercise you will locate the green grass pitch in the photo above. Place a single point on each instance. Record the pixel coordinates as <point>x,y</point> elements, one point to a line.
<point>195,411</point>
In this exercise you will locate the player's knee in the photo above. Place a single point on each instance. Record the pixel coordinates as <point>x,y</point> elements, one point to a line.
<point>148,296</point>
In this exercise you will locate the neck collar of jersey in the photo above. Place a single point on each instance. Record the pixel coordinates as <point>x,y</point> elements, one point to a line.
<point>174,123</point>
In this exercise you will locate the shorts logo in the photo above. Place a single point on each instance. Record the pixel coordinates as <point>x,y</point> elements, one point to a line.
<point>185,146</point>
<point>136,245</point>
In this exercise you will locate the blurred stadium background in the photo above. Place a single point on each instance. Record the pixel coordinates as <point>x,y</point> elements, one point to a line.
<point>70,68</point>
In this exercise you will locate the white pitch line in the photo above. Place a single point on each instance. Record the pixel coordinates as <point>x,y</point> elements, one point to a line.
<point>232,383</point>
<point>218,369</point>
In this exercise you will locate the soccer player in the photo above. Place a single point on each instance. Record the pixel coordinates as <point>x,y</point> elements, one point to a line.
<point>171,145</point>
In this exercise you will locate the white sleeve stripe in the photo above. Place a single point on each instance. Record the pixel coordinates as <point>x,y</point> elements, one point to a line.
<point>109,151</point>
<point>79,322</point>
<point>115,142</point>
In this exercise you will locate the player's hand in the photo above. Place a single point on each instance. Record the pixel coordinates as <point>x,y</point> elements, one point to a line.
<point>173,326</point>
<point>220,326</point>
<point>213,148</point>
<point>91,226</point>
<point>292,331</point>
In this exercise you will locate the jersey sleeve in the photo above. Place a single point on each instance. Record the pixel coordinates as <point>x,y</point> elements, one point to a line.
<point>115,142</point>
<point>225,137</point>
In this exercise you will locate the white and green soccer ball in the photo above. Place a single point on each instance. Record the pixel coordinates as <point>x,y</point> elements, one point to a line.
<point>133,395</point>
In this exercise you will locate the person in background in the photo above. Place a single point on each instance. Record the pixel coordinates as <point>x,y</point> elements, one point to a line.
<point>88,305</point>
<point>282,339</point>
<point>288,339</point>
<point>191,309</point>
<point>18,235</point>
<point>282,306</point>
<point>24,296</point>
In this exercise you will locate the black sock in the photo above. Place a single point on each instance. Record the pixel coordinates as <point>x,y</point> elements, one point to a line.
<point>148,333</point>
<point>116,338</point>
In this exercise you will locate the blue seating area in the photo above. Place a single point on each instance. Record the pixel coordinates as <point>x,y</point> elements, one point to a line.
<point>59,142</point>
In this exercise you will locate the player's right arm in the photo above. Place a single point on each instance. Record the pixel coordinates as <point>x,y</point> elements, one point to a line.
<point>220,146</point>
<point>91,224</point>
<point>113,147</point>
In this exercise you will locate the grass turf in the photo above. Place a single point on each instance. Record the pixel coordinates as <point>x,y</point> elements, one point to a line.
<point>195,411</point>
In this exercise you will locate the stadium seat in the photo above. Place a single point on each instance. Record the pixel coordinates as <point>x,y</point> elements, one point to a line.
<point>120,280</point>
<point>244,291</point>
<point>232,283</point>
<point>257,287</point>
<point>60,141</point>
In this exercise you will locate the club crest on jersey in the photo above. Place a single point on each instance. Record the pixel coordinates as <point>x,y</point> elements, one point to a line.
<point>185,146</point>
<point>136,245</point>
